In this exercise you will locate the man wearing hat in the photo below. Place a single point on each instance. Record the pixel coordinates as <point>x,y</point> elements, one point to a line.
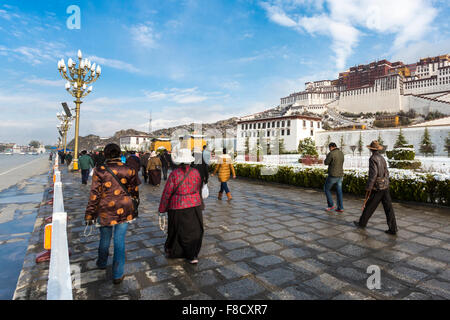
<point>377,189</point>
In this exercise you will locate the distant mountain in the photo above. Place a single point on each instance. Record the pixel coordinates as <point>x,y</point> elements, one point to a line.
<point>222,126</point>
<point>91,142</point>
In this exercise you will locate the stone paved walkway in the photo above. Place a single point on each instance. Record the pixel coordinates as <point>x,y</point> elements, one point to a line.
<point>270,242</point>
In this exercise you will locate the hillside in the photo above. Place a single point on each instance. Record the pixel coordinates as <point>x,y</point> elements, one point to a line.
<point>90,142</point>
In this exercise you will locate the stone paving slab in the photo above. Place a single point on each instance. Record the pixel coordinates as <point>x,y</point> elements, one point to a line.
<point>271,241</point>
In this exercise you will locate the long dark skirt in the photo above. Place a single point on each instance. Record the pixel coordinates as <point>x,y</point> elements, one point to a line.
<point>184,233</point>
<point>154,177</point>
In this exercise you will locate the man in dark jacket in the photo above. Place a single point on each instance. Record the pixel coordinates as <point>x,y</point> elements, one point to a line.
<point>61,156</point>
<point>68,157</point>
<point>377,189</point>
<point>144,162</point>
<point>335,163</point>
<point>166,162</point>
<point>85,162</point>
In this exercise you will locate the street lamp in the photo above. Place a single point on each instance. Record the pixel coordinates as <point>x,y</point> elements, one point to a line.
<point>77,80</point>
<point>63,127</point>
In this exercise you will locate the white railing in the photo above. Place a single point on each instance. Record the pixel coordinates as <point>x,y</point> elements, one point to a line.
<point>59,285</point>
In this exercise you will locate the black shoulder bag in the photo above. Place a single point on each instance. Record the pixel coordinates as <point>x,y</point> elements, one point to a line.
<point>135,201</point>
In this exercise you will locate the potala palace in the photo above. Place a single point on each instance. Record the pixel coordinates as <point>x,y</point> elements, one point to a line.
<point>380,86</point>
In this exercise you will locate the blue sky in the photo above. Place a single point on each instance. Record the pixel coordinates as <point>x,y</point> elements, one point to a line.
<point>194,60</point>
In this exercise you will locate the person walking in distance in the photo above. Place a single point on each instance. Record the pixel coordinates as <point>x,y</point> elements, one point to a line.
<point>68,158</point>
<point>154,166</point>
<point>182,200</point>
<point>134,162</point>
<point>335,163</point>
<point>377,190</point>
<point>165,161</point>
<point>144,161</point>
<point>86,163</point>
<point>224,168</point>
<point>113,202</point>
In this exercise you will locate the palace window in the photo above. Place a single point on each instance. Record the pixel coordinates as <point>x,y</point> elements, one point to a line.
<point>288,132</point>
<point>278,124</point>
<point>289,123</point>
<point>259,125</point>
<point>282,123</point>
<point>282,132</point>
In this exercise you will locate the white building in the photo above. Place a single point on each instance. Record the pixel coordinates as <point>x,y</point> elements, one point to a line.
<point>380,86</point>
<point>290,128</point>
<point>134,143</point>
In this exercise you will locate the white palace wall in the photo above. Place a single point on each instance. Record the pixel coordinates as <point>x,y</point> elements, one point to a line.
<point>389,136</point>
<point>423,106</point>
<point>373,101</point>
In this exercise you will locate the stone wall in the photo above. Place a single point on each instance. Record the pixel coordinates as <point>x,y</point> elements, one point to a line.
<point>389,136</point>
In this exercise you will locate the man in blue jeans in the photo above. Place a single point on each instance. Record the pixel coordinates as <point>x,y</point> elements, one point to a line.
<point>335,163</point>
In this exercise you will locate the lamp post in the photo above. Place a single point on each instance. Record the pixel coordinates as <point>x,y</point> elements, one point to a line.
<point>78,77</point>
<point>64,126</point>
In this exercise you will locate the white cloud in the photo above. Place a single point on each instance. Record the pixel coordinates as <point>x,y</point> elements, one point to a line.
<point>46,82</point>
<point>181,96</point>
<point>144,35</point>
<point>231,85</point>
<point>277,15</point>
<point>345,21</point>
<point>116,64</point>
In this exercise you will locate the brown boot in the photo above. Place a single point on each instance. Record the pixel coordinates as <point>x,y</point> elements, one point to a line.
<point>229,196</point>
<point>219,196</point>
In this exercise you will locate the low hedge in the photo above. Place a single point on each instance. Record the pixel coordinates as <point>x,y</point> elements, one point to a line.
<point>404,185</point>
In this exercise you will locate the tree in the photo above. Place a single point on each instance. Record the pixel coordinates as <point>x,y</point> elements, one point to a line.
<point>34,144</point>
<point>381,142</point>
<point>426,147</point>
<point>342,144</point>
<point>307,147</point>
<point>247,145</point>
<point>401,141</point>
<point>360,144</point>
<point>447,145</point>
<point>282,150</point>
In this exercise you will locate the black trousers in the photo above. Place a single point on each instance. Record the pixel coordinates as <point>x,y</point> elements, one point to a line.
<point>164,170</point>
<point>144,173</point>
<point>375,198</point>
<point>85,175</point>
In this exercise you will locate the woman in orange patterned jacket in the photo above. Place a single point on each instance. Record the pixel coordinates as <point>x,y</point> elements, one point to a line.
<point>112,207</point>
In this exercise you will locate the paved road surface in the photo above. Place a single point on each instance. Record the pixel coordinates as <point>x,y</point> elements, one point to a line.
<point>270,242</point>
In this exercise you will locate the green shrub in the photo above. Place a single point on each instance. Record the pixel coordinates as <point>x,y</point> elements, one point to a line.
<point>404,164</point>
<point>426,189</point>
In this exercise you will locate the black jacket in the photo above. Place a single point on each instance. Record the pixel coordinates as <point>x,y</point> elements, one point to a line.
<point>377,168</point>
